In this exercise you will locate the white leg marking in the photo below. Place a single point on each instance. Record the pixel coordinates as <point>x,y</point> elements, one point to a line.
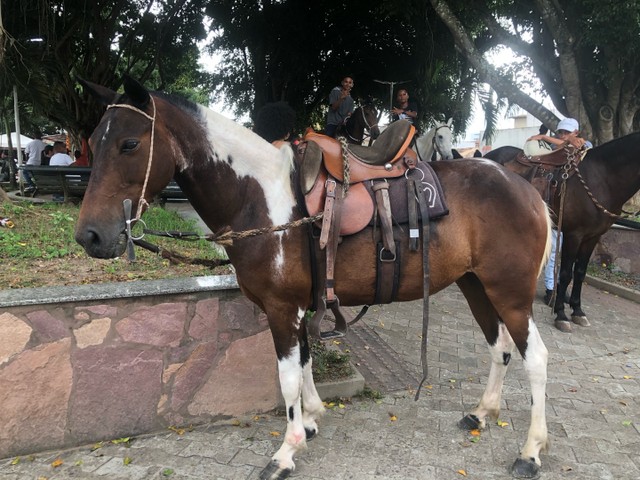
<point>535,363</point>
<point>291,384</point>
<point>489,405</point>
<point>311,401</point>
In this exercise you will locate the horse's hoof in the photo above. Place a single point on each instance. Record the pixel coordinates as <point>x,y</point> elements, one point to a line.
<point>273,472</point>
<point>310,433</point>
<point>580,320</point>
<point>469,422</point>
<point>563,326</point>
<point>522,468</point>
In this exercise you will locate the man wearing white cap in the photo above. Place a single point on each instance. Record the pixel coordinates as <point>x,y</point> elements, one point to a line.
<point>566,132</point>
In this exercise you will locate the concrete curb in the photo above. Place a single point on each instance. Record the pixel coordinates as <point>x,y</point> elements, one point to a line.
<point>348,387</point>
<point>622,292</point>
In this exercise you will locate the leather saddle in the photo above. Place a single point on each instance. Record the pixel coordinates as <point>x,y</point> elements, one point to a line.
<point>555,159</point>
<point>546,171</point>
<point>322,159</point>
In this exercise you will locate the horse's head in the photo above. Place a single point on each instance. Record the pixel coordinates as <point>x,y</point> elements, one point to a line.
<point>132,159</point>
<point>443,140</point>
<point>370,115</point>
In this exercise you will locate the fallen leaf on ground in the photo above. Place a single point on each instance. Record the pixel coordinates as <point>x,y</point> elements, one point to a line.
<point>462,472</point>
<point>56,463</point>
<point>274,434</point>
<point>500,423</point>
<point>127,460</point>
<point>475,432</point>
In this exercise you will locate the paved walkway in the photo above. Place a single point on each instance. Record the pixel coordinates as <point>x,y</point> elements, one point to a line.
<point>593,413</point>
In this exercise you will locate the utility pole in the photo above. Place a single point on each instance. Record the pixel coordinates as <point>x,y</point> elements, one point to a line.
<point>391,84</point>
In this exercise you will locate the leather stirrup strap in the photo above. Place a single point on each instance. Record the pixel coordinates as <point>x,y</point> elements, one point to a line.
<point>412,204</point>
<point>327,217</point>
<point>332,245</point>
<point>424,218</point>
<point>381,190</point>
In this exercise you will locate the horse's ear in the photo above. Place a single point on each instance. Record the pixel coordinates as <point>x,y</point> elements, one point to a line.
<point>104,95</point>
<point>138,95</point>
<point>450,121</point>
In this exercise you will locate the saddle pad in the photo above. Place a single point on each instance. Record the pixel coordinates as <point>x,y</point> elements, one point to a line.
<point>398,194</point>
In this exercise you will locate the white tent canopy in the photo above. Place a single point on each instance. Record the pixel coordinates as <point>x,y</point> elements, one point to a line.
<point>4,141</point>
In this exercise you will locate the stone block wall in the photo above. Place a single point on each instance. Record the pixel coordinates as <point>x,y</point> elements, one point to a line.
<point>619,246</point>
<point>100,362</point>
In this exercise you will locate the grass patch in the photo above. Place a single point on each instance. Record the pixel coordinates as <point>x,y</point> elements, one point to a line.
<point>41,250</point>
<point>329,364</point>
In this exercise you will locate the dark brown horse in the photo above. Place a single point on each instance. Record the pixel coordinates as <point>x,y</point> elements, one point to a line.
<point>363,119</point>
<point>610,177</point>
<point>235,179</point>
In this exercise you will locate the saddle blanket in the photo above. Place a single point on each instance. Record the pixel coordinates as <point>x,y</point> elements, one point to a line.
<point>398,194</point>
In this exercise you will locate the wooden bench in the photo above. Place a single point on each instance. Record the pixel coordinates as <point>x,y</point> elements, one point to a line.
<point>69,181</point>
<point>73,181</point>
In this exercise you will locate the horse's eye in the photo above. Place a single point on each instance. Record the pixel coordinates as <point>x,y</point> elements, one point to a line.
<point>129,145</point>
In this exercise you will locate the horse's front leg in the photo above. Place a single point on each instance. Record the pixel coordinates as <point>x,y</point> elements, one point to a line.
<point>311,402</point>
<point>579,272</point>
<point>562,322</point>
<point>294,367</point>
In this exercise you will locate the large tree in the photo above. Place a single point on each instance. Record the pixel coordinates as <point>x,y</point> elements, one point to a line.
<point>298,51</point>
<point>45,45</point>
<point>583,53</point>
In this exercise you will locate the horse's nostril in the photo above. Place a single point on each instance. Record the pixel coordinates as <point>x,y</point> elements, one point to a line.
<point>87,237</point>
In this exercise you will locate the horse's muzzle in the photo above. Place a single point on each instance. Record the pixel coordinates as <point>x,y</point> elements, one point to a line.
<point>100,244</point>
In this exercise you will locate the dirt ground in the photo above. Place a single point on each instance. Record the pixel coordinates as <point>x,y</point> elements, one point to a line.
<point>80,270</point>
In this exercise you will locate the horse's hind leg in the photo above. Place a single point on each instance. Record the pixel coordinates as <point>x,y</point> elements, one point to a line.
<point>518,329</point>
<point>500,347</point>
<point>534,354</point>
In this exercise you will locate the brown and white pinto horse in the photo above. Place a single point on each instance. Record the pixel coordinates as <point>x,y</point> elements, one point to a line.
<point>492,244</point>
<point>610,176</point>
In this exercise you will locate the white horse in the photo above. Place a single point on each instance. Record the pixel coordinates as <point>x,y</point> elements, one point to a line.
<point>438,141</point>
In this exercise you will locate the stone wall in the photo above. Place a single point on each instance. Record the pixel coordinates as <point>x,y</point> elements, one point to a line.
<point>99,362</point>
<point>620,247</point>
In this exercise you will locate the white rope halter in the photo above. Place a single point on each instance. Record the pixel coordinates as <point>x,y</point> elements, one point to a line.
<point>142,202</point>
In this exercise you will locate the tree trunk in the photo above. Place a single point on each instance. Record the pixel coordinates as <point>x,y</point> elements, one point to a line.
<point>3,196</point>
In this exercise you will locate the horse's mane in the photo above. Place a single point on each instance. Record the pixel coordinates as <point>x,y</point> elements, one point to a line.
<point>253,149</point>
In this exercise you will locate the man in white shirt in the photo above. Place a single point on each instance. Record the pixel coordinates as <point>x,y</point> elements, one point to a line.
<point>60,157</point>
<point>33,151</point>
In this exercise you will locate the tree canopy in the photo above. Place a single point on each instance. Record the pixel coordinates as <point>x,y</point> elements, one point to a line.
<point>583,53</point>
<point>298,51</point>
<point>45,46</point>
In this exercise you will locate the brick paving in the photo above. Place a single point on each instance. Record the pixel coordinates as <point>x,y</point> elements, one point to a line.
<point>593,412</point>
